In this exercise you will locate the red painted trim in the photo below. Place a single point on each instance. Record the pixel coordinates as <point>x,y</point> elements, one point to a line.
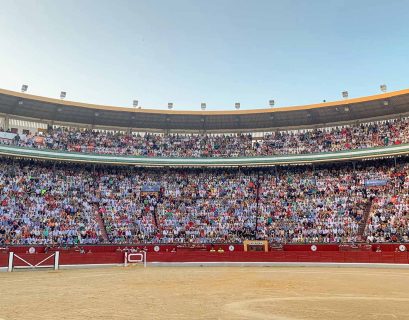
<point>70,258</point>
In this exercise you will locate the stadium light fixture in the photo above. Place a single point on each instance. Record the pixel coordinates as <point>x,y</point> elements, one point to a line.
<point>345,94</point>
<point>24,88</point>
<point>203,106</point>
<point>271,103</point>
<point>63,94</point>
<point>135,103</point>
<point>383,87</point>
<point>237,105</point>
<point>170,105</point>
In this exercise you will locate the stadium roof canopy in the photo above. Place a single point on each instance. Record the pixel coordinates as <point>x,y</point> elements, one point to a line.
<point>47,109</point>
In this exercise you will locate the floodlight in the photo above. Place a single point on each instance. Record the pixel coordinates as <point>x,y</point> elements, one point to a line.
<point>237,105</point>
<point>383,87</point>
<point>203,106</point>
<point>271,103</point>
<point>24,88</point>
<point>63,94</point>
<point>135,103</point>
<point>170,105</point>
<point>345,94</point>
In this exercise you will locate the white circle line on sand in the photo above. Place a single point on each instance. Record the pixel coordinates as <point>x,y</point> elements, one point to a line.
<point>242,307</point>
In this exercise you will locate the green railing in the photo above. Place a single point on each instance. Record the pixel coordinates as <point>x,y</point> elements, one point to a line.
<point>237,161</point>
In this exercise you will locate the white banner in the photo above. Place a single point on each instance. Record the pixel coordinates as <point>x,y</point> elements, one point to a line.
<point>7,135</point>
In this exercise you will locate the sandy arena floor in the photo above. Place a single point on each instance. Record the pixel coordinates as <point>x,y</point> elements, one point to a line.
<point>206,293</point>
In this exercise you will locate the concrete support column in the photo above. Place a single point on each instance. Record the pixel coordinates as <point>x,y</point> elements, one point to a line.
<point>6,122</point>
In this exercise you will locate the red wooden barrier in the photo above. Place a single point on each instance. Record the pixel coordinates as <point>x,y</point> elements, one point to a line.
<point>324,253</point>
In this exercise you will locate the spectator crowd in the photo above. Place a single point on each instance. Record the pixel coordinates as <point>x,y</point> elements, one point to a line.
<point>51,203</point>
<point>357,136</point>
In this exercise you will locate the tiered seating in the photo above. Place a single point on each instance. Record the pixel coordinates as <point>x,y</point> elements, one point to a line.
<point>312,206</point>
<point>361,136</point>
<point>126,219</point>
<point>47,203</point>
<point>40,205</point>
<point>207,207</point>
<point>389,220</point>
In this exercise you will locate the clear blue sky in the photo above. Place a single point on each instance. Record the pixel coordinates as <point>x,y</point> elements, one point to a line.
<point>217,51</point>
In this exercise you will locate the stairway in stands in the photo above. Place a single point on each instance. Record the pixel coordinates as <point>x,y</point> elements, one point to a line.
<point>101,224</point>
<point>155,211</point>
<point>154,214</point>
<point>365,218</point>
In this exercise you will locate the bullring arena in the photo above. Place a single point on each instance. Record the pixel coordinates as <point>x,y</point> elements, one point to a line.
<point>206,293</point>
<point>150,168</point>
<point>243,219</point>
<point>225,285</point>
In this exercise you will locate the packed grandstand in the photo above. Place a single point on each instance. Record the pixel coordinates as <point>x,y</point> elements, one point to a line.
<point>69,203</point>
<point>346,137</point>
